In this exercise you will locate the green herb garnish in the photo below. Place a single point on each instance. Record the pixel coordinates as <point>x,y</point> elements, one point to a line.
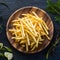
<point>5,52</point>
<point>8,49</point>
<point>1,55</point>
<point>1,18</point>
<point>4,4</point>
<point>54,8</point>
<point>52,48</point>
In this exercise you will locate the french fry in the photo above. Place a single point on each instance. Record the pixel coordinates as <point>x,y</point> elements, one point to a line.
<point>15,21</point>
<point>35,14</point>
<point>45,29</point>
<point>33,48</point>
<point>28,31</point>
<point>41,20</point>
<point>23,46</point>
<point>31,25</point>
<point>37,40</point>
<point>32,44</point>
<point>22,41</point>
<point>27,39</point>
<point>40,26</point>
<point>45,35</point>
<point>45,25</point>
<point>22,30</point>
<point>26,47</point>
<point>28,27</point>
<point>15,24</point>
<point>18,38</point>
<point>40,42</point>
<point>31,35</point>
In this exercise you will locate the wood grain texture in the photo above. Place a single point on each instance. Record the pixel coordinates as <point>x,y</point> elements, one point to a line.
<point>40,13</point>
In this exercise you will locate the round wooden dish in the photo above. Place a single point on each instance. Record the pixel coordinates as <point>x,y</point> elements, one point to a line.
<point>40,13</point>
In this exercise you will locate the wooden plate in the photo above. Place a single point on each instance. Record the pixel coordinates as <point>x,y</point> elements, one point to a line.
<point>40,13</point>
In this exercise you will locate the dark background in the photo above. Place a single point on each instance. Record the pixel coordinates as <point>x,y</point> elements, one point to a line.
<point>5,13</point>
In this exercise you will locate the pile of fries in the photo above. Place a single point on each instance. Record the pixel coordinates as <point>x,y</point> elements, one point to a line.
<point>28,31</point>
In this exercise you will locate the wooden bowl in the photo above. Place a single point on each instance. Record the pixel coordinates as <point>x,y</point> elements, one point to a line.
<point>40,13</point>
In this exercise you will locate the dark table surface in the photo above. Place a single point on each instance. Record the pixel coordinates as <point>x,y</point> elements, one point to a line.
<point>5,13</point>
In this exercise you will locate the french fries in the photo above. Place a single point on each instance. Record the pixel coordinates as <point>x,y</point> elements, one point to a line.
<point>28,31</point>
